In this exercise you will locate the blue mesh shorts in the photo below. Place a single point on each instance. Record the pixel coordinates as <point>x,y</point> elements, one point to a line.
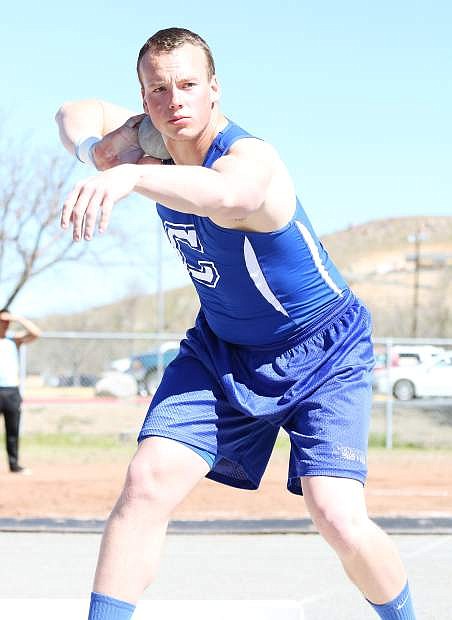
<point>231,401</point>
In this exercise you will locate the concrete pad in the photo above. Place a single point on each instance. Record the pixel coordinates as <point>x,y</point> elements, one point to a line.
<point>77,609</point>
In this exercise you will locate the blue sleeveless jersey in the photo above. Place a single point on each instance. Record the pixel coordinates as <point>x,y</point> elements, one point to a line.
<point>256,289</point>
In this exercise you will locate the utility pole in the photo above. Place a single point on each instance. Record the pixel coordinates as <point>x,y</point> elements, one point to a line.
<point>160,327</point>
<point>416,239</point>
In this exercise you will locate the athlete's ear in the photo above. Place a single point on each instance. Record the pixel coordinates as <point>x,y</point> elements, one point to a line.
<point>215,89</point>
<point>145,107</point>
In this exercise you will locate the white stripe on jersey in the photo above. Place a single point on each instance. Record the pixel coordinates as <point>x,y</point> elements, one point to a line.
<point>258,277</point>
<point>314,250</point>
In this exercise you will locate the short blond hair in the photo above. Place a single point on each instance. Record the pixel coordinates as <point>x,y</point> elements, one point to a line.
<point>166,40</point>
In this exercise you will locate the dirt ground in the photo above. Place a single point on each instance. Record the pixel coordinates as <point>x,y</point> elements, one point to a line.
<point>401,482</point>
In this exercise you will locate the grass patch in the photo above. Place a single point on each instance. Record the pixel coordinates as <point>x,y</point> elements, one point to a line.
<point>85,447</point>
<point>71,441</point>
<point>378,440</point>
<point>79,447</point>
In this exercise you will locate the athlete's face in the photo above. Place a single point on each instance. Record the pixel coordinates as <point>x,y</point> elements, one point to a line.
<point>177,92</point>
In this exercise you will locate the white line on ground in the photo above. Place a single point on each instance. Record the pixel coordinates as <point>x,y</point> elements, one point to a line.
<point>77,609</point>
<point>407,493</point>
<point>330,592</point>
<point>309,600</point>
<point>429,547</point>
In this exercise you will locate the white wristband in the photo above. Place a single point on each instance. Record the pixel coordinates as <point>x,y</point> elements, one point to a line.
<point>83,149</point>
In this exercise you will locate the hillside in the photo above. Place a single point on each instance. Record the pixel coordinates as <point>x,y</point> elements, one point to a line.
<point>376,259</point>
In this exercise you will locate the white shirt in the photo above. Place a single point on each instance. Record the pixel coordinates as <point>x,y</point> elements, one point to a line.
<point>9,363</point>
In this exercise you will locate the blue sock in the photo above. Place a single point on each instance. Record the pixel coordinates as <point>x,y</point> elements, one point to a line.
<point>106,608</point>
<point>401,608</point>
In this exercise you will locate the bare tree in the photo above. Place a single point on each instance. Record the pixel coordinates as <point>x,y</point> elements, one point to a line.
<point>32,191</point>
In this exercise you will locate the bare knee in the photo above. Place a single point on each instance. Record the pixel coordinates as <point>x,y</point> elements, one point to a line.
<point>341,529</point>
<point>146,488</point>
<point>160,475</point>
<point>338,510</point>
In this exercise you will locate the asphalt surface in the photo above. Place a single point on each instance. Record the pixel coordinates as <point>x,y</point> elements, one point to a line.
<point>216,567</point>
<point>392,525</point>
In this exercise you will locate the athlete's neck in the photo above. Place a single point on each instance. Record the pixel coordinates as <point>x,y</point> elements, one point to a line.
<point>193,152</point>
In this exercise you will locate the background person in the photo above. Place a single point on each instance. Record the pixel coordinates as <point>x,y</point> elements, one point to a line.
<point>10,397</point>
<point>280,341</point>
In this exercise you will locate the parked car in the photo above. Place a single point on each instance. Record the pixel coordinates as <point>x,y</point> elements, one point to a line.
<point>144,367</point>
<point>407,355</point>
<point>429,378</point>
<point>402,355</point>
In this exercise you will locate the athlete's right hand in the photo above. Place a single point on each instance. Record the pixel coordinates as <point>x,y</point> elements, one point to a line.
<point>119,146</point>
<point>93,199</point>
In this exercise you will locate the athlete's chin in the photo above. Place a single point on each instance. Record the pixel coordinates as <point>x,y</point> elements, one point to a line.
<point>183,133</point>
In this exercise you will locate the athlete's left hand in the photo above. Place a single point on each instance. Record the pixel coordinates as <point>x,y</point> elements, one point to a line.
<point>97,194</point>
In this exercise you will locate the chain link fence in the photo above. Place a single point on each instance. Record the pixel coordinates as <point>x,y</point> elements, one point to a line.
<point>81,359</point>
<point>101,382</point>
<point>412,404</point>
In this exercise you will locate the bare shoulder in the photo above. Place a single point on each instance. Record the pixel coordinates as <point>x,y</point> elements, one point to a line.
<point>262,155</point>
<point>253,156</point>
<point>260,163</point>
<point>252,147</point>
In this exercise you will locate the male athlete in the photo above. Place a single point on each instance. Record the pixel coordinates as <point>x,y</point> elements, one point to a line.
<point>280,340</point>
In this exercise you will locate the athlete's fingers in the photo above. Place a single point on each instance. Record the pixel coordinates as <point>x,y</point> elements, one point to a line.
<point>89,221</point>
<point>68,206</point>
<point>79,211</point>
<point>105,212</point>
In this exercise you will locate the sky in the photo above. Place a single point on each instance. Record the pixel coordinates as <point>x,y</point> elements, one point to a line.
<point>355,95</point>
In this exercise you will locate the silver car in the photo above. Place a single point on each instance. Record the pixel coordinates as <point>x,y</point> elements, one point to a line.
<point>431,378</point>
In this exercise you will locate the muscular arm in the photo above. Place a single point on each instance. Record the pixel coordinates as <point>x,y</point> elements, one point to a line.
<point>233,188</point>
<point>88,117</point>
